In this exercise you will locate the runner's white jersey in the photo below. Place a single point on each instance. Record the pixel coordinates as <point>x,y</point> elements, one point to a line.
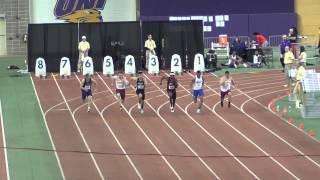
<point>198,83</point>
<point>120,84</point>
<point>226,86</point>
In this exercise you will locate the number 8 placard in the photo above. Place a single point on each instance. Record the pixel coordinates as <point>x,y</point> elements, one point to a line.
<point>87,66</point>
<point>176,65</point>
<point>41,69</point>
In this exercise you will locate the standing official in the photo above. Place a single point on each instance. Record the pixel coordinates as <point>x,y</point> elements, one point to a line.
<point>150,46</point>
<point>83,48</point>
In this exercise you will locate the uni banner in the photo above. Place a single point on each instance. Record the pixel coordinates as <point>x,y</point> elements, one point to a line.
<point>80,11</point>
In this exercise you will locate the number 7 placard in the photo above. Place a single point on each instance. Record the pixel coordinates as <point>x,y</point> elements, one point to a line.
<point>65,68</point>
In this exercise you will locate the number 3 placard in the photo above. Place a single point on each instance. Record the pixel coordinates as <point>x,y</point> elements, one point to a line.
<point>153,65</point>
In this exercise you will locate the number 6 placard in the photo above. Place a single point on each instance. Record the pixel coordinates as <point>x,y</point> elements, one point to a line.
<point>65,68</point>
<point>176,65</point>
<point>87,66</point>
<point>198,63</point>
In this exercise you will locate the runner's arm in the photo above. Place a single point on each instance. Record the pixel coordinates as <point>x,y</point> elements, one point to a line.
<point>163,78</point>
<point>95,85</point>
<point>81,85</point>
<point>192,83</point>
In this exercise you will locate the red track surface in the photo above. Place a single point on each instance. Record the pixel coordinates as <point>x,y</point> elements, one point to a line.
<point>219,143</point>
<point>3,173</point>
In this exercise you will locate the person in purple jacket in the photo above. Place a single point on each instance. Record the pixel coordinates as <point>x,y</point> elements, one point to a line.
<point>285,42</point>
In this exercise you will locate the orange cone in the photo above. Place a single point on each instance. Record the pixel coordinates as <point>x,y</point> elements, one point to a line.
<point>274,110</point>
<point>279,97</point>
<point>285,110</point>
<point>301,126</point>
<point>291,120</point>
<point>311,132</point>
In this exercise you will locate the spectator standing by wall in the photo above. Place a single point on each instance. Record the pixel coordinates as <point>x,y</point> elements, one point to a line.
<point>262,41</point>
<point>293,38</point>
<point>284,43</point>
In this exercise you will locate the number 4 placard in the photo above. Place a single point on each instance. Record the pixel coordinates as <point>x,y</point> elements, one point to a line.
<point>41,69</point>
<point>153,65</point>
<point>176,65</point>
<point>65,68</point>
<point>130,65</point>
<point>87,66</point>
<point>198,63</point>
<point>108,67</point>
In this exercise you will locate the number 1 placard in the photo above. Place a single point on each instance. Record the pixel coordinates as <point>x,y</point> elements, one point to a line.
<point>198,63</point>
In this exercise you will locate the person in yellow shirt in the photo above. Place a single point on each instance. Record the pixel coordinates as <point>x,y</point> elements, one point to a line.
<point>288,62</point>
<point>298,91</point>
<point>150,46</point>
<point>83,48</point>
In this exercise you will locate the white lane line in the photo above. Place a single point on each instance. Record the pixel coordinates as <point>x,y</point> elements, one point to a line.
<point>144,133</point>
<point>293,147</point>
<point>266,128</point>
<point>243,135</point>
<point>202,161</point>
<point>172,129</point>
<point>113,135</point>
<point>292,125</point>
<point>4,142</point>
<point>69,100</point>
<point>213,138</point>
<point>48,130</point>
<point>80,131</point>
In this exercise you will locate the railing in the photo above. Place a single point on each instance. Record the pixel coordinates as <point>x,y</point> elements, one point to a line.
<point>209,40</point>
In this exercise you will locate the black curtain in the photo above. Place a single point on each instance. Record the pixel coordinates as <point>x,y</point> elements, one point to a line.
<point>117,39</point>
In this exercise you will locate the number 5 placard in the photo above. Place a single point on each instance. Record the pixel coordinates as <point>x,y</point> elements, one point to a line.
<point>130,65</point>
<point>153,67</point>
<point>176,65</point>
<point>108,67</point>
<point>87,66</point>
<point>65,68</point>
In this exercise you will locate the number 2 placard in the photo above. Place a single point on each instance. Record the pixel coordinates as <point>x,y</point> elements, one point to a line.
<point>176,65</point>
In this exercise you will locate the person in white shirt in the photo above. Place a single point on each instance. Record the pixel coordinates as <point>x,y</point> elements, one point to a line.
<point>303,56</point>
<point>83,48</point>
<point>150,46</point>
<point>197,85</point>
<point>120,83</point>
<point>235,61</point>
<point>226,83</point>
